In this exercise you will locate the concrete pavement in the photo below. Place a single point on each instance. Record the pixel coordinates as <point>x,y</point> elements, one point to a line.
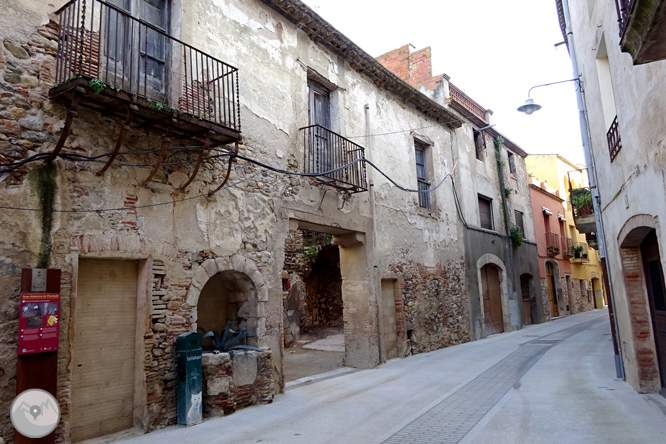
<point>547,383</point>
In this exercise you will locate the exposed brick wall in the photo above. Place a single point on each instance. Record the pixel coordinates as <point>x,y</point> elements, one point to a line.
<point>640,321</point>
<point>414,68</point>
<point>433,312</point>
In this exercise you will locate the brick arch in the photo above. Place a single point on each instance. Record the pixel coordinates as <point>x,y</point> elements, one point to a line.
<point>643,350</point>
<point>491,259</point>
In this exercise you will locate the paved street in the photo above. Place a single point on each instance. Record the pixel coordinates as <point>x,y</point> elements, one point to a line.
<point>549,383</point>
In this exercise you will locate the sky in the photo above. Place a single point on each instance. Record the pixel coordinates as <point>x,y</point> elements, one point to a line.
<point>493,50</point>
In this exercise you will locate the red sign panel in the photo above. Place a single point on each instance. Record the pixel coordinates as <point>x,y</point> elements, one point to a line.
<point>39,324</point>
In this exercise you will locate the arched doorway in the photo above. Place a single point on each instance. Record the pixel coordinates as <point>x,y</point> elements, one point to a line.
<point>229,296</point>
<point>492,299</point>
<point>656,290</point>
<point>528,303</point>
<point>552,290</point>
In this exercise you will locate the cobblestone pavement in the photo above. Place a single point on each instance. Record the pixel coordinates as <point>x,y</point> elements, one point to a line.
<point>450,420</point>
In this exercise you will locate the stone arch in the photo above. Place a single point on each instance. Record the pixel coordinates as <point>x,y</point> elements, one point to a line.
<point>235,267</point>
<point>643,350</point>
<point>491,259</point>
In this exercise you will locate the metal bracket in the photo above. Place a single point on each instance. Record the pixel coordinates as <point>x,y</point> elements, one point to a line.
<point>160,159</point>
<point>232,159</point>
<point>71,113</point>
<point>203,153</point>
<point>116,149</point>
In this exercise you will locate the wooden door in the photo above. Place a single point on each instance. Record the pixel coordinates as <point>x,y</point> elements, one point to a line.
<point>153,44</point>
<point>103,348</point>
<point>320,142</point>
<point>492,300</point>
<point>389,326</point>
<point>654,281</point>
<point>527,301</point>
<point>552,295</point>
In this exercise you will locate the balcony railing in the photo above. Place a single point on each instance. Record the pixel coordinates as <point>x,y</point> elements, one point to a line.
<point>614,141</point>
<point>581,252</point>
<point>624,9</point>
<point>327,153</point>
<point>119,59</point>
<point>567,247</point>
<point>552,244</point>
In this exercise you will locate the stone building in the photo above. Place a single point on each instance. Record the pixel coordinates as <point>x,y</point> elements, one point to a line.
<point>623,70</point>
<point>493,199</point>
<point>157,153</point>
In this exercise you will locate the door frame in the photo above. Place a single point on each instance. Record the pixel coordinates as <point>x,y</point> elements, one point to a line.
<point>143,325</point>
<point>484,260</point>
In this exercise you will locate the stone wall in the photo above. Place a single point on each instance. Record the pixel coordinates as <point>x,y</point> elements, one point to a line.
<point>433,311</point>
<point>235,382</point>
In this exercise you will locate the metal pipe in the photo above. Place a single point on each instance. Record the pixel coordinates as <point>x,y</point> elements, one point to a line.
<point>596,198</point>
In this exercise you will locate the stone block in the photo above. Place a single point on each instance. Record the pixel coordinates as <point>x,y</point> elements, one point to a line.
<point>244,367</point>
<point>250,267</point>
<point>262,294</point>
<point>32,123</point>
<point>218,385</point>
<point>223,264</point>
<point>214,360</point>
<point>258,279</point>
<point>238,263</point>
<point>211,267</point>
<point>16,50</point>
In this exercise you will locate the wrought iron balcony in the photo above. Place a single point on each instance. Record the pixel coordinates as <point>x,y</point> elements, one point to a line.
<point>642,27</point>
<point>567,247</point>
<point>336,158</point>
<point>581,252</point>
<point>614,140</point>
<point>552,244</point>
<point>118,64</point>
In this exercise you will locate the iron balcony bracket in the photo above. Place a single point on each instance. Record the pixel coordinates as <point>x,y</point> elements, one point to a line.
<point>71,113</point>
<point>125,126</point>
<point>160,159</point>
<point>203,153</point>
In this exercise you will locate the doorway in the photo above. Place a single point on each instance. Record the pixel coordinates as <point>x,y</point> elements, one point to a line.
<point>527,300</point>
<point>552,291</point>
<point>103,349</point>
<point>492,300</point>
<point>312,302</point>
<point>654,282</point>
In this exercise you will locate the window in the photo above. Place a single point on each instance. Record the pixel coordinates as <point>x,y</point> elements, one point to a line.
<point>512,163</point>
<point>486,212</point>
<point>519,221</point>
<point>319,108</point>
<point>422,174</point>
<point>319,113</point>
<point>479,144</point>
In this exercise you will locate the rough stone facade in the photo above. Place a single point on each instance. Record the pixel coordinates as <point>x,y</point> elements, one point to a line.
<point>234,382</point>
<point>181,240</point>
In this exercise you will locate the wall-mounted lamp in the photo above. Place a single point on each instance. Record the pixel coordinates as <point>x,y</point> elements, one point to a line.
<point>484,128</point>
<point>529,106</point>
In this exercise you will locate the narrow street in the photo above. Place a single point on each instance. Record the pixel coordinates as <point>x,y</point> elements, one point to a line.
<point>548,383</point>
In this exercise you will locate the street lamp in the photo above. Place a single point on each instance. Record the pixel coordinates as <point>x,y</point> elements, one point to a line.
<point>529,106</point>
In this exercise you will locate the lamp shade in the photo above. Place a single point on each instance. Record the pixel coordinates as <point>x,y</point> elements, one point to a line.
<point>529,107</point>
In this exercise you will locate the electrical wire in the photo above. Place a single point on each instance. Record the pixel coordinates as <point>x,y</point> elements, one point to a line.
<point>247,159</point>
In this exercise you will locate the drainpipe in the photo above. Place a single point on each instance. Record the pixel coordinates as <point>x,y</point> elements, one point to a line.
<point>596,199</point>
<point>368,144</point>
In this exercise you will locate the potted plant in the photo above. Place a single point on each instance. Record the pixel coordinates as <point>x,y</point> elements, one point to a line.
<point>553,250</point>
<point>578,251</point>
<point>581,200</point>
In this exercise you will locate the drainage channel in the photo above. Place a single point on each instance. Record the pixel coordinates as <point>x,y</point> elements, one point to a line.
<point>450,420</point>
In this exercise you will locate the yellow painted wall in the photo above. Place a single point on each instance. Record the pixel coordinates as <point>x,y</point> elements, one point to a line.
<point>553,169</point>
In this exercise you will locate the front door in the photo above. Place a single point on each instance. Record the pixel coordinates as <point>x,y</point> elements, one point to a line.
<point>319,114</point>
<point>103,348</point>
<point>135,53</point>
<point>492,300</point>
<point>552,298</point>
<point>527,301</point>
<point>654,281</point>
